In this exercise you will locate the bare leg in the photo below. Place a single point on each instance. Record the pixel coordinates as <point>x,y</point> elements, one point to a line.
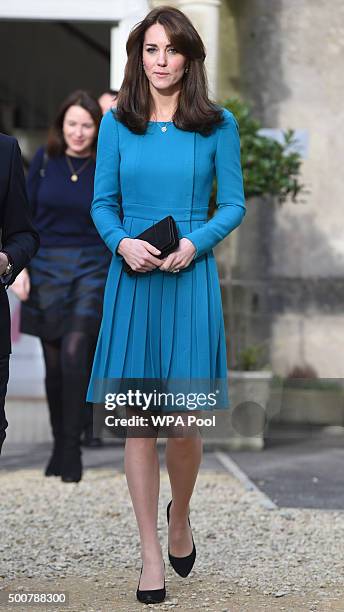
<point>143,477</point>
<point>183,458</point>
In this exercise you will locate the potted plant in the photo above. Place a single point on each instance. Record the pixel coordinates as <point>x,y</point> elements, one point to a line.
<point>242,427</point>
<point>249,392</point>
<point>302,388</point>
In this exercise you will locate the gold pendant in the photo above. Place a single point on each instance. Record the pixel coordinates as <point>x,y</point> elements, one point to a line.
<point>74,178</point>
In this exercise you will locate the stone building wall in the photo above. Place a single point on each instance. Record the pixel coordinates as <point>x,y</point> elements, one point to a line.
<point>288,60</point>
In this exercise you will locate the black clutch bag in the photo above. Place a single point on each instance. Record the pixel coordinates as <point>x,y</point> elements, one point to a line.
<point>163,235</point>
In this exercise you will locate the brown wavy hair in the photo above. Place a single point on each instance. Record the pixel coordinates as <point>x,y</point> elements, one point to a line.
<point>195,112</point>
<point>56,144</point>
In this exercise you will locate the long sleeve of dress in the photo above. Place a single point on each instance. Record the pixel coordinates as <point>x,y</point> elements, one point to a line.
<point>105,207</point>
<point>230,192</point>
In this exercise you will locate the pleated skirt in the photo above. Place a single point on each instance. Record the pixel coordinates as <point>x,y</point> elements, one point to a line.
<point>67,290</point>
<point>160,325</point>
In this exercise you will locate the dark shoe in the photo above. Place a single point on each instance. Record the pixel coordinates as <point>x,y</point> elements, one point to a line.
<point>54,466</point>
<point>53,391</point>
<point>182,565</point>
<point>71,465</point>
<point>151,596</point>
<point>91,441</point>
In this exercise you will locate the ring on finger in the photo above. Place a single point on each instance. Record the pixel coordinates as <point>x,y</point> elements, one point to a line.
<point>176,271</point>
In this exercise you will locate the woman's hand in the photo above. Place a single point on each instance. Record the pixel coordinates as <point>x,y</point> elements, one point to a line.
<point>139,254</point>
<point>21,286</point>
<point>3,263</point>
<point>180,258</point>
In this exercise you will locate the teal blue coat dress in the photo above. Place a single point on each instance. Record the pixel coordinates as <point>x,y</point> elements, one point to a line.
<point>160,325</point>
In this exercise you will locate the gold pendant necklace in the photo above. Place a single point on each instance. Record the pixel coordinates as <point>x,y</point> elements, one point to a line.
<point>74,177</point>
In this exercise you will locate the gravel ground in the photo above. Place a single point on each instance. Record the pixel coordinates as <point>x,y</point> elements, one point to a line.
<point>83,539</point>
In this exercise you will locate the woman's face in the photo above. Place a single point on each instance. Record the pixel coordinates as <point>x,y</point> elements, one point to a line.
<point>163,65</point>
<point>79,131</point>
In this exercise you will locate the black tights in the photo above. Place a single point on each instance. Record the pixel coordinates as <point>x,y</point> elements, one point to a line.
<point>68,363</point>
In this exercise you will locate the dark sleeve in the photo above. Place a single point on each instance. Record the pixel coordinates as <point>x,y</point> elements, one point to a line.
<point>33,179</point>
<point>19,237</point>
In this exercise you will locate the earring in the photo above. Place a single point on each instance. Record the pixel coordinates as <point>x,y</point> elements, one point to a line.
<point>186,70</point>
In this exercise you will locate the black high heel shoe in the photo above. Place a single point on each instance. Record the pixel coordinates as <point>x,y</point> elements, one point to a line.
<point>151,596</point>
<point>182,565</point>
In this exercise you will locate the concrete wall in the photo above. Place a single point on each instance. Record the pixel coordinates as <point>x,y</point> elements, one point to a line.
<point>228,65</point>
<point>291,61</point>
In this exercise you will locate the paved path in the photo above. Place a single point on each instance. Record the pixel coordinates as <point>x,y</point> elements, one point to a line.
<point>83,539</point>
<point>251,559</point>
<point>108,593</point>
<point>28,456</point>
<point>299,468</point>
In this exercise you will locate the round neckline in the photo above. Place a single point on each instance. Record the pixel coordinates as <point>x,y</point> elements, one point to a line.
<point>75,157</point>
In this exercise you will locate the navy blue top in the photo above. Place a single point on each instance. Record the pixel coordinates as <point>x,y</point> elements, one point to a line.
<point>61,208</point>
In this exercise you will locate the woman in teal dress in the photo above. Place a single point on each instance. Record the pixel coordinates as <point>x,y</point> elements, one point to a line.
<point>160,150</point>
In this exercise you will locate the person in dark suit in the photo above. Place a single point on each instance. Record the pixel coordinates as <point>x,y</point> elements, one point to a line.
<point>19,241</point>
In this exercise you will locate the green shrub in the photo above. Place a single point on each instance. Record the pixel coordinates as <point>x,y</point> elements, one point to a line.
<point>252,358</point>
<point>269,168</point>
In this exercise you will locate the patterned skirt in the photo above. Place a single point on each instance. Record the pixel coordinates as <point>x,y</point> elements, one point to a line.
<point>67,286</point>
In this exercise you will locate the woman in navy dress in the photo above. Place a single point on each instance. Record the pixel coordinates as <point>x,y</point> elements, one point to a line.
<point>62,290</point>
<point>160,150</point>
